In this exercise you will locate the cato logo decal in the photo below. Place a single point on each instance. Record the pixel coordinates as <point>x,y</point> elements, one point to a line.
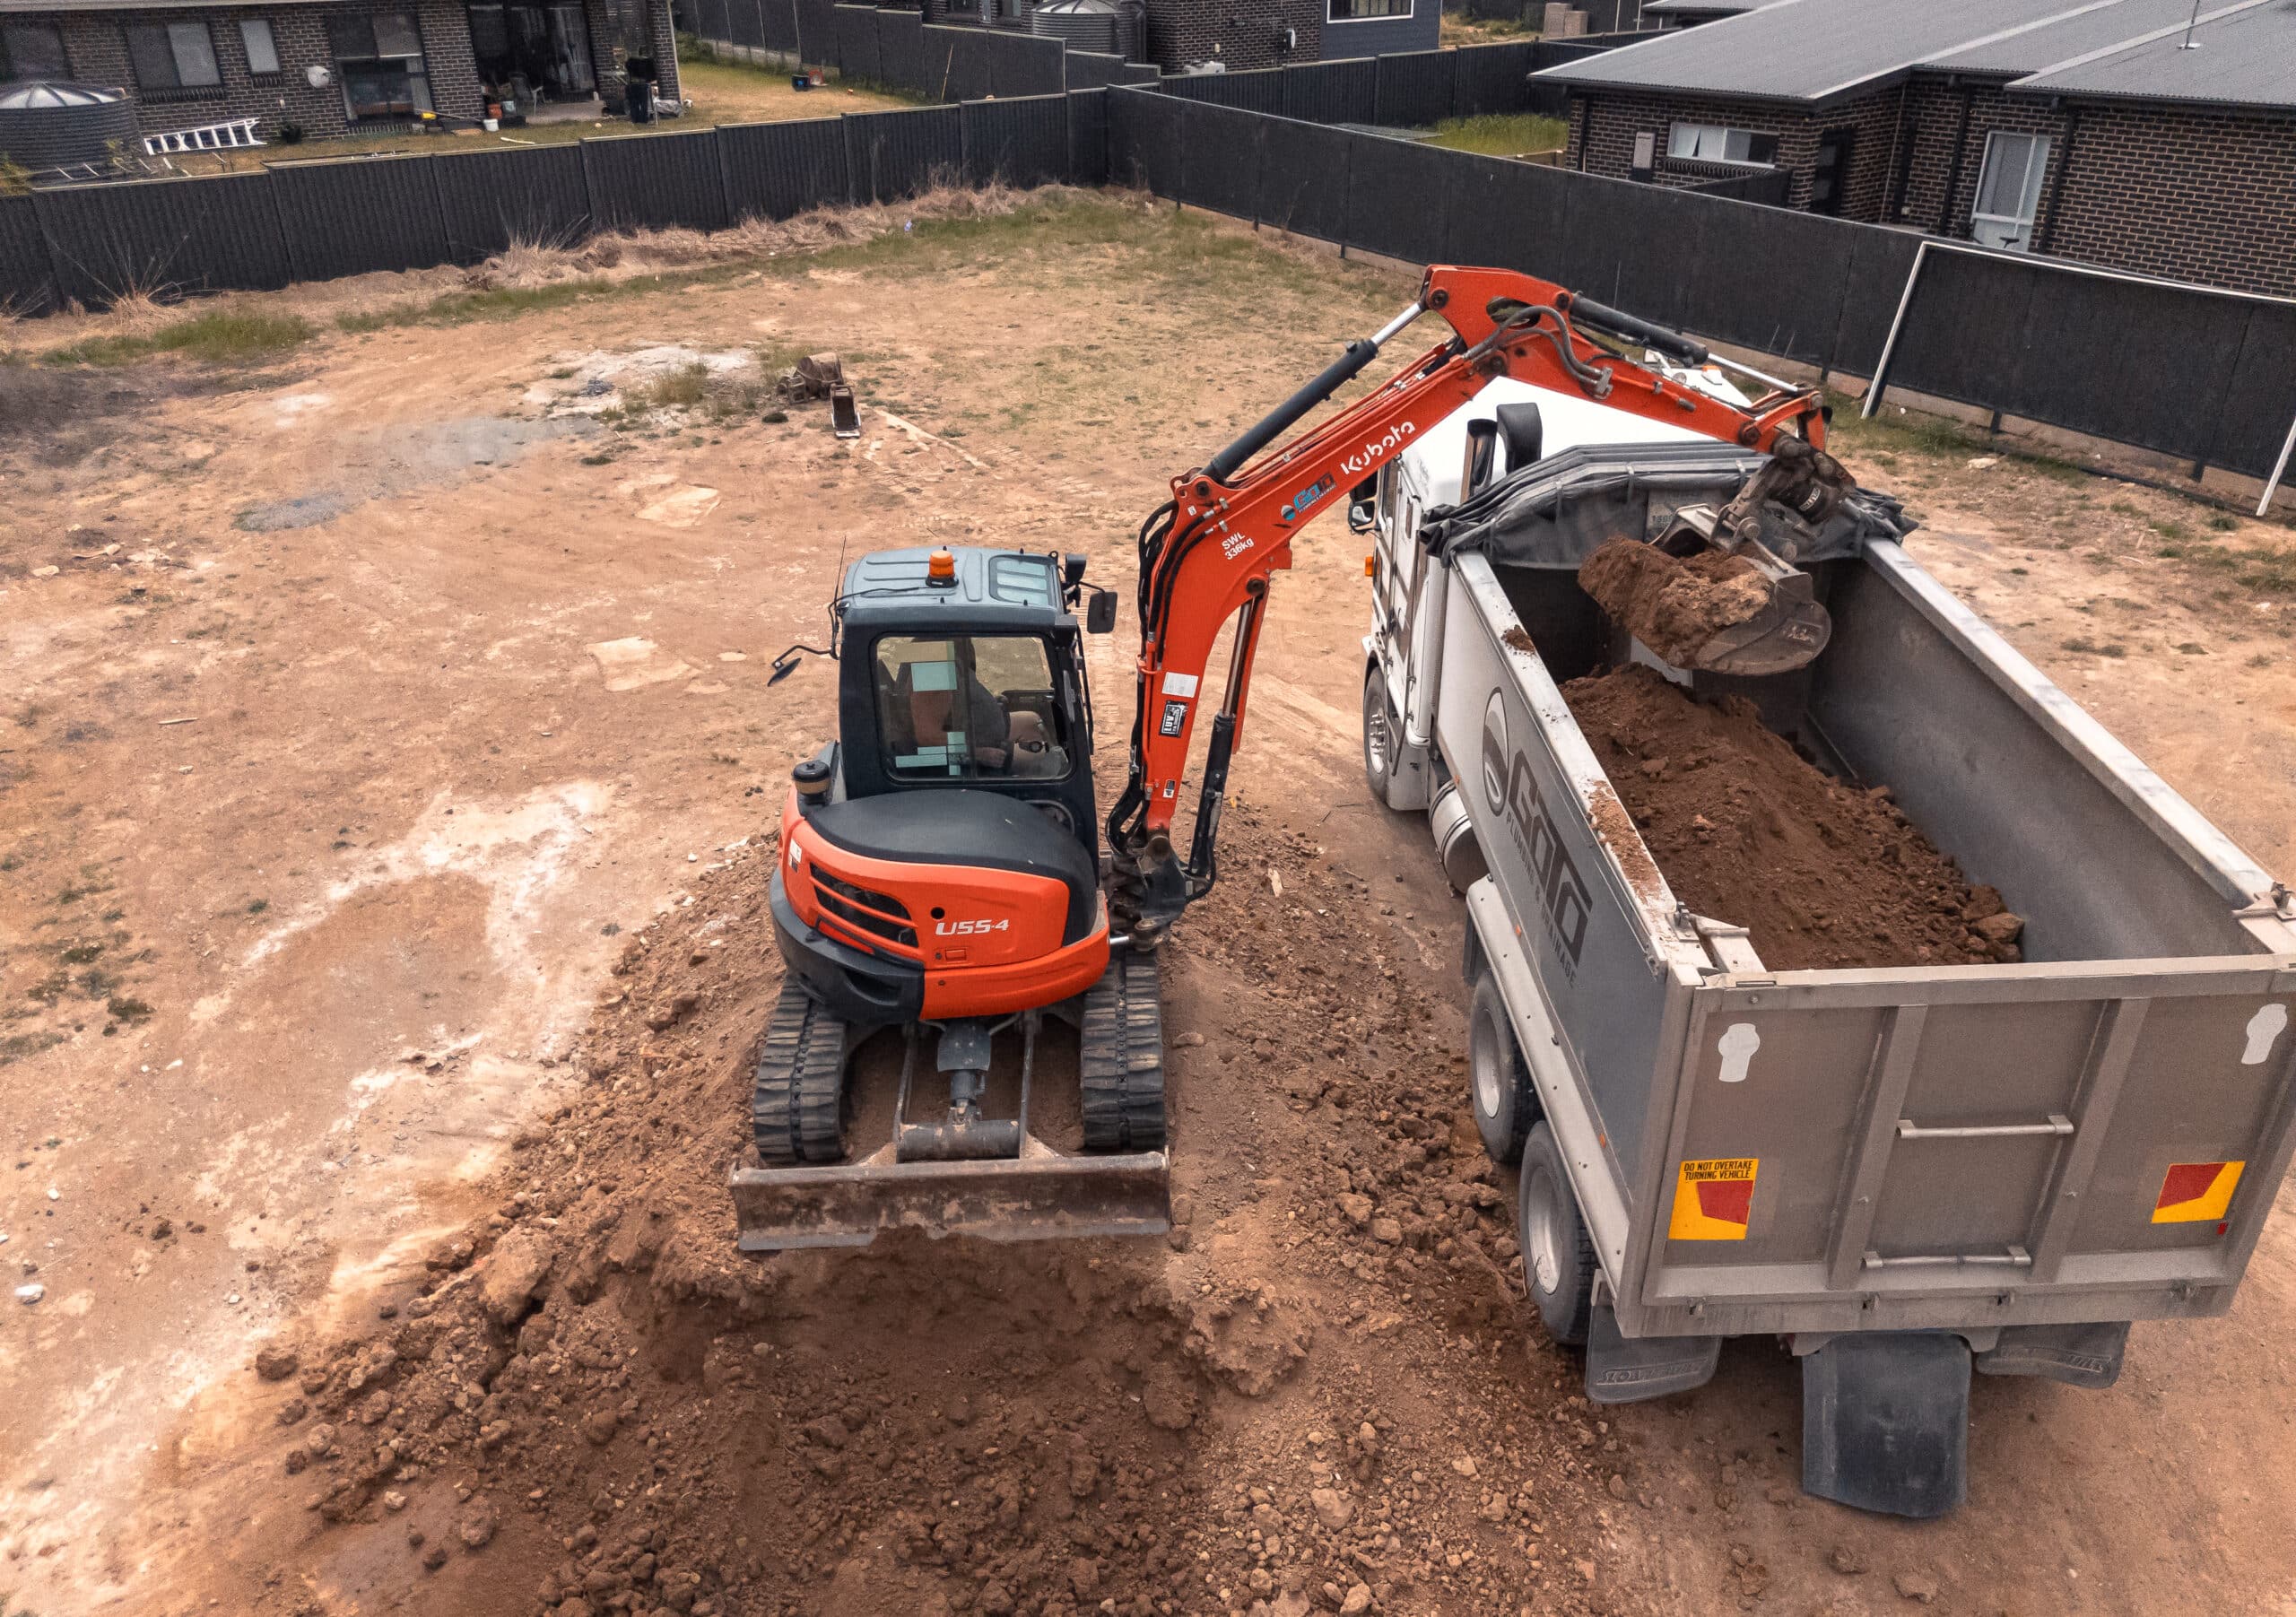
<point>1307,496</point>
<point>1512,792</point>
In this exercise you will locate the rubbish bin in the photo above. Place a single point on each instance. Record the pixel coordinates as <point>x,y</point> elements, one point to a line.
<point>638,76</point>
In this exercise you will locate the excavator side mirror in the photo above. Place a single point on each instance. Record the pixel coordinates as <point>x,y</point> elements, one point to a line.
<point>1100,612</point>
<point>1362,516</point>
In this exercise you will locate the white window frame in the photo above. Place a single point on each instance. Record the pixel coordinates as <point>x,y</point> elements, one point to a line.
<point>1331,20</point>
<point>2011,232</point>
<point>1711,143</point>
<point>251,30</point>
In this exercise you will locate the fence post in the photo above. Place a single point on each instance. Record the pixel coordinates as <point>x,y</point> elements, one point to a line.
<point>1889,343</point>
<point>725,177</point>
<point>278,212</point>
<point>438,202</point>
<point>589,192</point>
<point>56,262</point>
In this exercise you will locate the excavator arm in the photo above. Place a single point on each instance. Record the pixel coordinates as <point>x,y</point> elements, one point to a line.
<point>1206,555</point>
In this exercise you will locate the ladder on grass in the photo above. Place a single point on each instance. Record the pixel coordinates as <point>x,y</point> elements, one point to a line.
<point>207,137</point>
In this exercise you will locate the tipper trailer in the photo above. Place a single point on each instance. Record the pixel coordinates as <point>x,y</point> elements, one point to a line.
<point>1905,1172</point>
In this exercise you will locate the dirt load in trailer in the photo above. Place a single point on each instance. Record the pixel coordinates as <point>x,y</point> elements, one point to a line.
<point>1888,1005</point>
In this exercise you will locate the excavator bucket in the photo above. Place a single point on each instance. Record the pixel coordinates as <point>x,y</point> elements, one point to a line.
<point>1741,612</point>
<point>1040,1194</point>
<point>1785,632</point>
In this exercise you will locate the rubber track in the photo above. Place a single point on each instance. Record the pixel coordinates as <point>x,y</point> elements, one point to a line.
<point>798,1108</point>
<point>1121,1064</point>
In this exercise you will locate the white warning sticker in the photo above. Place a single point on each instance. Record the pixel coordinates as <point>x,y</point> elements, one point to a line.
<point>1179,685</point>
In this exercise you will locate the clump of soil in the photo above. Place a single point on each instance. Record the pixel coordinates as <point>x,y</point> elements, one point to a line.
<point>1747,830</point>
<point>1673,606</point>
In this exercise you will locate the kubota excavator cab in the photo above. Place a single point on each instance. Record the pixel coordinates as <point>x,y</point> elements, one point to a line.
<point>939,873</point>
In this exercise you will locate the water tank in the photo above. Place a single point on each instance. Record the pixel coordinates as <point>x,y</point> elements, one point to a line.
<point>47,124</point>
<point>1080,24</point>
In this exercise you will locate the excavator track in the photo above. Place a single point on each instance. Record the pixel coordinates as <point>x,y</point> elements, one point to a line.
<point>1120,1057</point>
<point>798,1108</point>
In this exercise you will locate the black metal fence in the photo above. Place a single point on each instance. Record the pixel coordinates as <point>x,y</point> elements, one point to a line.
<point>2183,370</point>
<point>317,220</point>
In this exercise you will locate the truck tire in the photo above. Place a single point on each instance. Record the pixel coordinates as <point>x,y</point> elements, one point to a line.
<point>1380,736</point>
<point>1498,1083</point>
<point>1558,1254</point>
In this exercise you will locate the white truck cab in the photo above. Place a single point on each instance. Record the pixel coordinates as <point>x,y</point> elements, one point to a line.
<point>1403,649</point>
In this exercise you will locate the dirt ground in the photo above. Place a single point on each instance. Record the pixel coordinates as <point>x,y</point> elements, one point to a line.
<point>386,791</point>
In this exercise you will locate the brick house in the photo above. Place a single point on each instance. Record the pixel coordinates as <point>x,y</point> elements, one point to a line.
<point>1243,35</point>
<point>333,67</point>
<point>2089,129</point>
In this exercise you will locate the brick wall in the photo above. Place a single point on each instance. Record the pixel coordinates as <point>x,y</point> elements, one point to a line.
<point>1934,121</point>
<point>97,48</point>
<point>628,28</point>
<point>2188,194</point>
<point>1603,128</point>
<point>2194,196</point>
<point>1240,32</point>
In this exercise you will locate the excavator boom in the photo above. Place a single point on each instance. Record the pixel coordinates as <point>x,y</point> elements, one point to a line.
<point>1206,555</point>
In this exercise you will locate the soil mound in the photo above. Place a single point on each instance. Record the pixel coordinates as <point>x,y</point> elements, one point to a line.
<point>1747,830</point>
<point>652,1423</point>
<point>1674,607</point>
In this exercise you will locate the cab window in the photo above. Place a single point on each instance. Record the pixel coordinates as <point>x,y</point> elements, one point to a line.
<point>970,707</point>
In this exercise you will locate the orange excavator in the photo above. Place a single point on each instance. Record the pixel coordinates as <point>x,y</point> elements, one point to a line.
<point>940,875</point>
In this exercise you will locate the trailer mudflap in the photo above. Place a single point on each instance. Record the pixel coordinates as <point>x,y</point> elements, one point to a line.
<point>2079,1355</point>
<point>1885,1422</point>
<point>1042,1194</point>
<point>1620,1371</point>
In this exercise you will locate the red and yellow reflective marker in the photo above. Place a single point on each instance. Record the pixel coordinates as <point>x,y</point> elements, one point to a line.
<point>1714,1198</point>
<point>2194,1193</point>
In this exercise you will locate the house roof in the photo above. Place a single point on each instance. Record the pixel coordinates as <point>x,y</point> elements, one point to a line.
<point>1818,51</point>
<point>2241,55</point>
<point>1802,50</point>
<point>1716,8</point>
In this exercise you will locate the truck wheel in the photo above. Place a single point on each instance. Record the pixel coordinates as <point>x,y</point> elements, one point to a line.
<point>1379,737</point>
<point>1499,1085</point>
<point>1558,1254</point>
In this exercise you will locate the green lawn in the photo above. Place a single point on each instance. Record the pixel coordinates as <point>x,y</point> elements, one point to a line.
<point>1502,134</point>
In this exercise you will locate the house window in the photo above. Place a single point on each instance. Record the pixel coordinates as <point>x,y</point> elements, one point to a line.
<point>1714,144</point>
<point>2009,190</point>
<point>173,55</point>
<point>379,56</point>
<point>262,51</point>
<point>32,50</point>
<point>1368,11</point>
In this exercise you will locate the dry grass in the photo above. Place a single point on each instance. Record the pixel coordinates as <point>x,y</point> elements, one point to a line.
<point>626,255</point>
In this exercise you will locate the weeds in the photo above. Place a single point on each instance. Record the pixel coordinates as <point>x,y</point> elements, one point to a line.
<point>2089,648</point>
<point>220,337</point>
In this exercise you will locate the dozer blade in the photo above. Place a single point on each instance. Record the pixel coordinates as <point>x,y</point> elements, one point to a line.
<point>1040,1196</point>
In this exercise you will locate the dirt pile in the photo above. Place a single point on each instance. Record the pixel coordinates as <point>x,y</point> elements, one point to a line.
<point>1748,831</point>
<point>1674,607</point>
<point>651,1422</point>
